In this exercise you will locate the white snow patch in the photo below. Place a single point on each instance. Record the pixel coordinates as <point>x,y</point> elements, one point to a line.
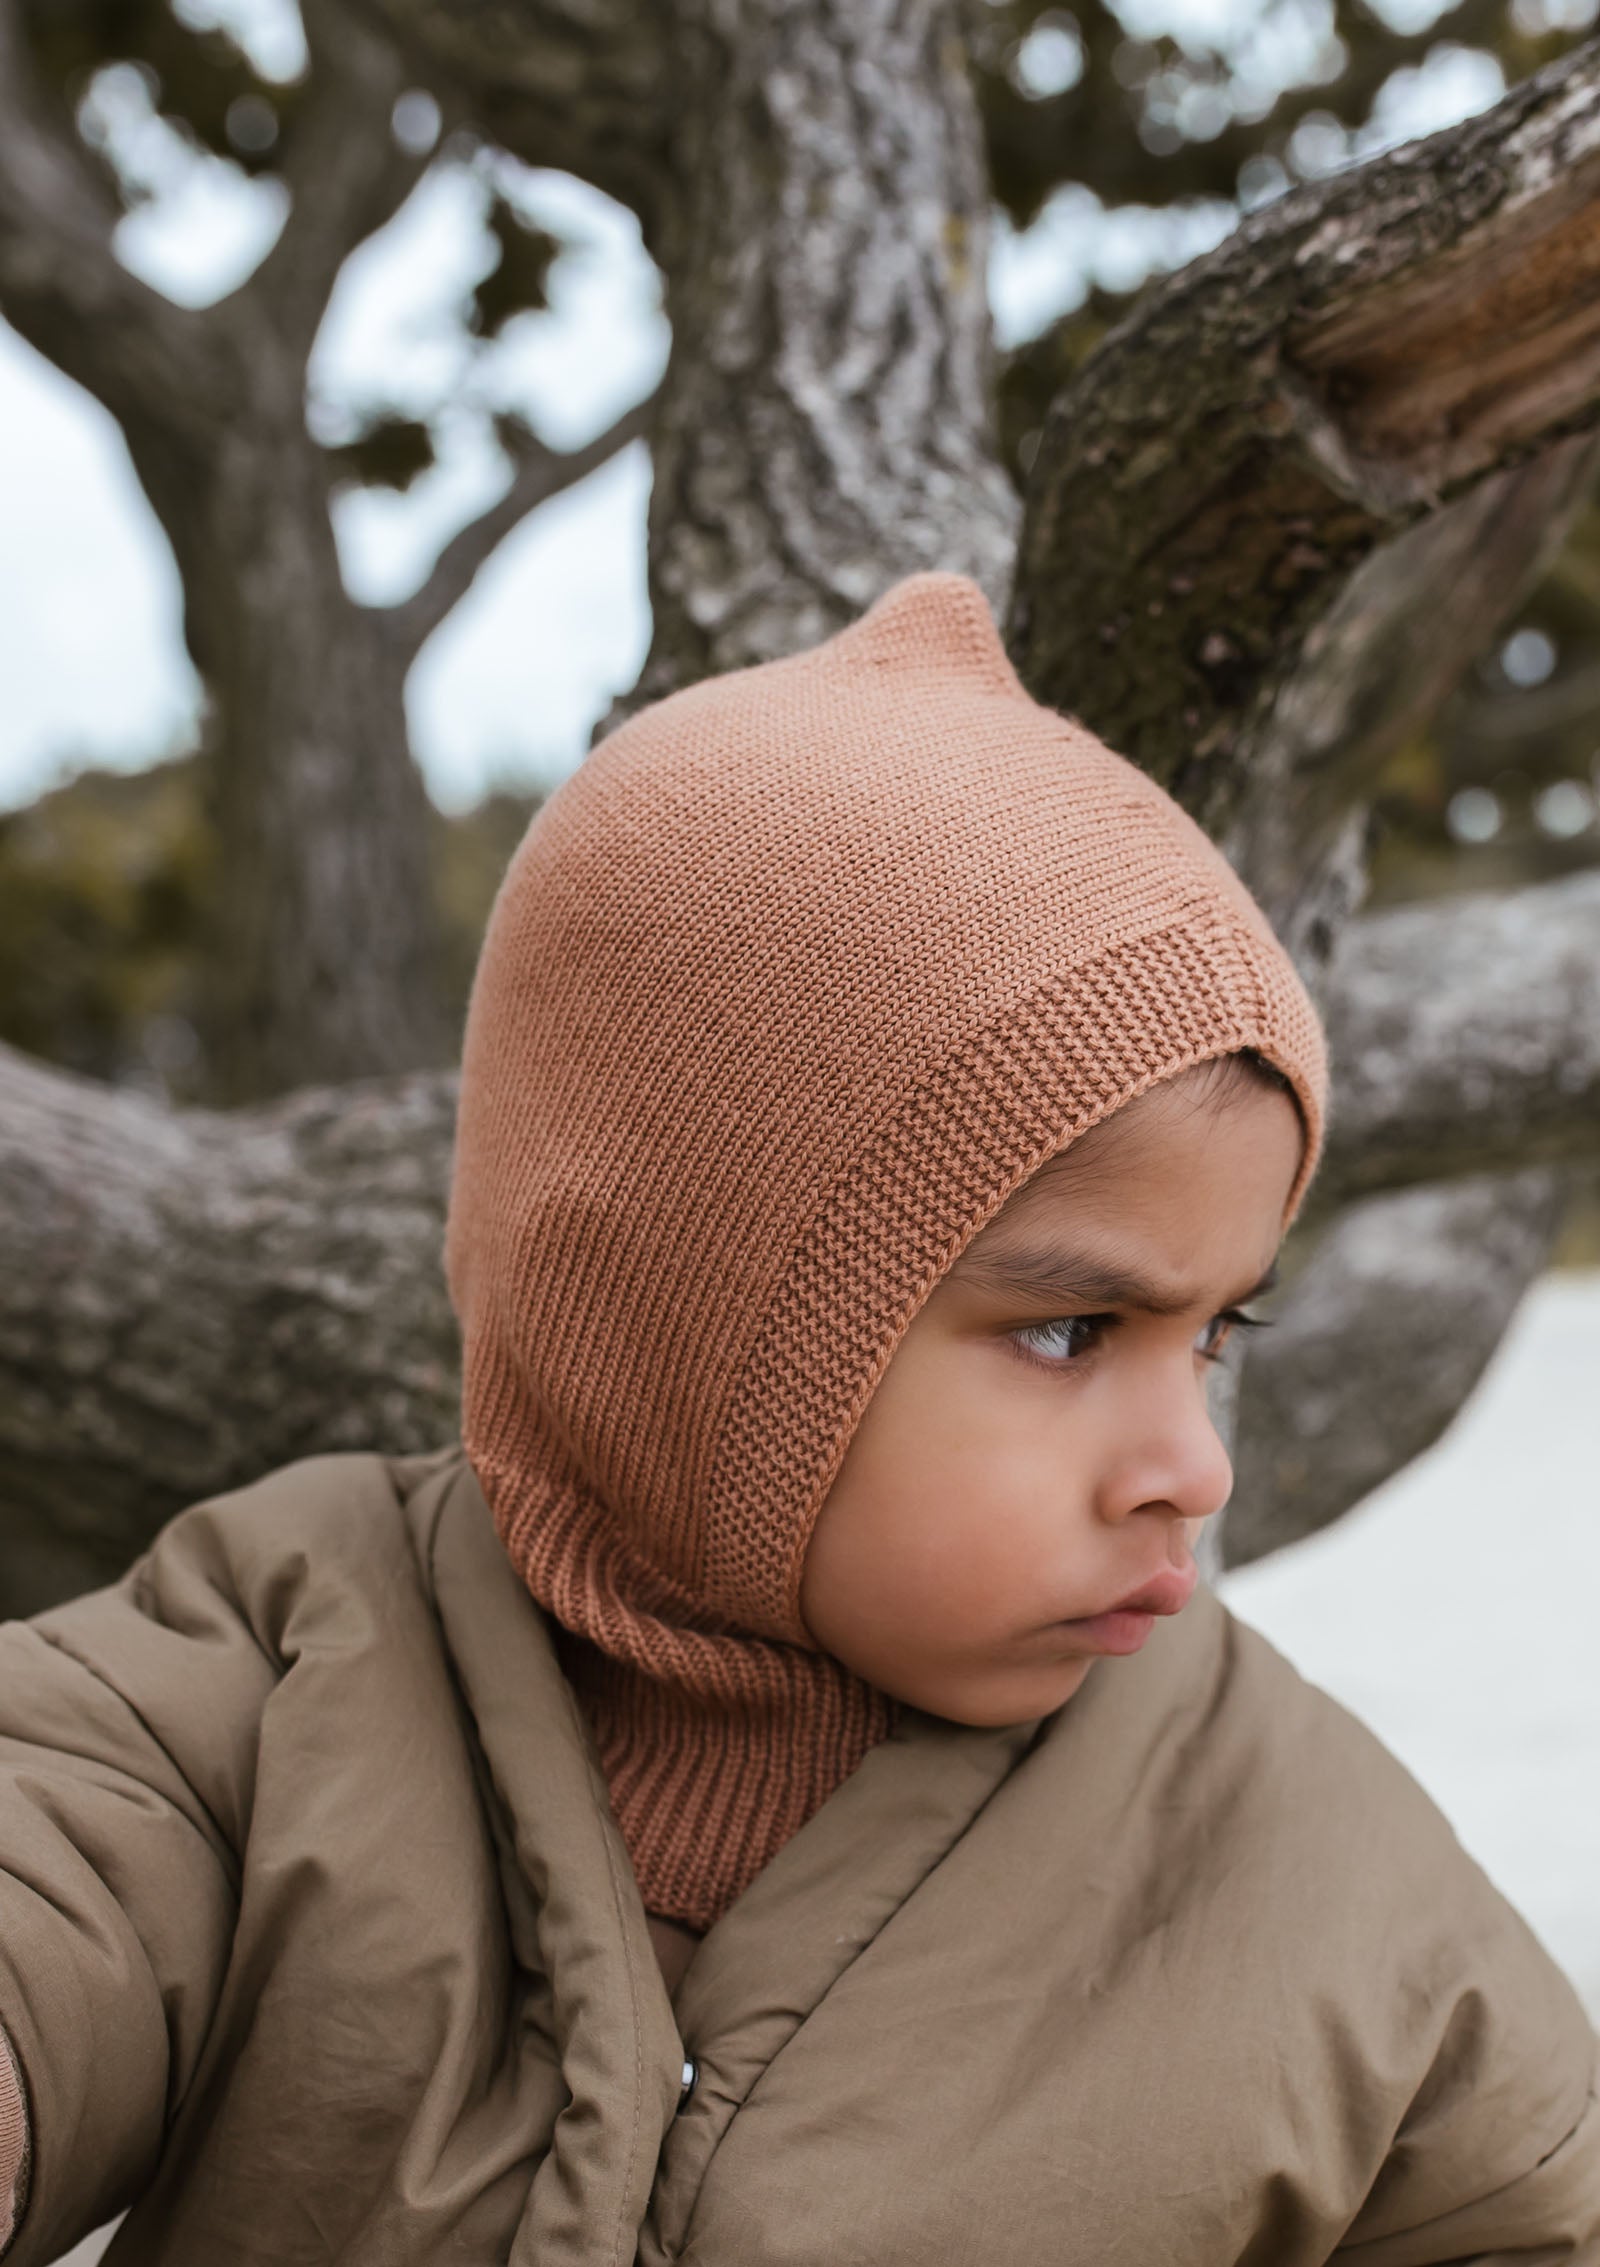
<point>1456,1614</point>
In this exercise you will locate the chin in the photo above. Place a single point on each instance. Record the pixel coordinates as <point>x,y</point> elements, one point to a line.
<point>1015,1699</point>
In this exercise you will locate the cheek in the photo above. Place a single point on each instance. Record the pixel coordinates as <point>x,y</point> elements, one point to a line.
<point>955,1501</point>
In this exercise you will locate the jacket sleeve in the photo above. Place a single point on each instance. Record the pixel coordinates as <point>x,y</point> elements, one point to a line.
<point>129,1727</point>
<point>1482,2178</point>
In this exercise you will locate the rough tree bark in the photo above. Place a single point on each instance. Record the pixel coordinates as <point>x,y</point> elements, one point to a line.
<point>826,417</point>
<point>1356,355</point>
<point>227,1291</point>
<point>1264,507</point>
<point>1467,1035</point>
<point>1382,1339</point>
<point>234,1289</point>
<point>323,963</point>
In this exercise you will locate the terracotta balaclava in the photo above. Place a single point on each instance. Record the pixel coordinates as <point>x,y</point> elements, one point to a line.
<point>787,989</point>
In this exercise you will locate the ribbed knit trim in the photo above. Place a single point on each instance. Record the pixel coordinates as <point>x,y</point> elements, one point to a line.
<point>772,1733</point>
<point>716,1746</point>
<point>13,2144</point>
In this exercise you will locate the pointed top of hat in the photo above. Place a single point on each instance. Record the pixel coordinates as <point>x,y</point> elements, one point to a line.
<point>936,624</point>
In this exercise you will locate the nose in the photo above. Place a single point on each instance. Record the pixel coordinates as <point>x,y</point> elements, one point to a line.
<point>1167,1455</point>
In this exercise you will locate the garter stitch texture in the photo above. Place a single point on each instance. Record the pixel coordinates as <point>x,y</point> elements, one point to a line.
<point>786,990</point>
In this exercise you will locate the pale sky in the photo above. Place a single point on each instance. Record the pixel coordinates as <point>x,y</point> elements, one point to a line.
<point>91,656</point>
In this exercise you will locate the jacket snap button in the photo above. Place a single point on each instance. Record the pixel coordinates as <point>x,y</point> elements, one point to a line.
<point>691,2073</point>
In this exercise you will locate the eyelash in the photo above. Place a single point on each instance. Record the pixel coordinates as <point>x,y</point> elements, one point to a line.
<point>1096,1326</point>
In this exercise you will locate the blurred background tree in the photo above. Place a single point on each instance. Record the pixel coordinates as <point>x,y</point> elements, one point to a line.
<point>312,912</point>
<point>1221,557</point>
<point>198,932</point>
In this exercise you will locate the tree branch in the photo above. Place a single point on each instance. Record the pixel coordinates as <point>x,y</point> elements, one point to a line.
<point>345,173</point>
<point>1379,1341</point>
<point>540,474</point>
<point>1465,1037</point>
<point>229,1290</point>
<point>62,286</point>
<point>224,1292</point>
<point>578,84</point>
<point>1355,354</point>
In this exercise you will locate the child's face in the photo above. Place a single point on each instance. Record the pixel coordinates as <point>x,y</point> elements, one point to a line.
<point>1035,1455</point>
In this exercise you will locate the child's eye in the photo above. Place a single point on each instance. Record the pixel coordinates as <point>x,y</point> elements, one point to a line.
<point>1213,1339</point>
<point>1063,1340</point>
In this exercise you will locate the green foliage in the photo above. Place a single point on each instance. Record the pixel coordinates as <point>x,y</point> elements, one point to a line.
<point>199,81</point>
<point>103,887</point>
<point>1071,95</point>
<point>105,893</point>
<point>392,452</point>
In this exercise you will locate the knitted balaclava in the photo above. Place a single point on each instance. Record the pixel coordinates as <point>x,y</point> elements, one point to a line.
<point>787,989</point>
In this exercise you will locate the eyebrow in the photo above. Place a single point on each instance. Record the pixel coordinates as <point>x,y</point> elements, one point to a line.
<point>1075,1280</point>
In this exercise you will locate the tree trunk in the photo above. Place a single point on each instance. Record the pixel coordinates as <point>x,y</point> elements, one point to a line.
<point>826,423</point>
<point>325,958</point>
<point>226,1291</point>
<point>1241,530</point>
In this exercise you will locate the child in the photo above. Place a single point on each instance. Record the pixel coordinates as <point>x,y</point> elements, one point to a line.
<point>763,1802</point>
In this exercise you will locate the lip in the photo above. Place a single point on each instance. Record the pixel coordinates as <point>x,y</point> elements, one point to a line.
<point>1168,1593</point>
<point>1124,1627</point>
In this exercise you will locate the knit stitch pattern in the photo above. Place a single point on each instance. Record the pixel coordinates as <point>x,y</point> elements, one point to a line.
<point>13,2143</point>
<point>801,975</point>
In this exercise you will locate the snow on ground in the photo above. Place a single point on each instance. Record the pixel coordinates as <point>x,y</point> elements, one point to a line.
<point>1458,1613</point>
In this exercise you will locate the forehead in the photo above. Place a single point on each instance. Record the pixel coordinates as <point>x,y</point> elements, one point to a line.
<point>1183,1172</point>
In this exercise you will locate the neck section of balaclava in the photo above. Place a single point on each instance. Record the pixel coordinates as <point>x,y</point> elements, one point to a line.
<point>787,989</point>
